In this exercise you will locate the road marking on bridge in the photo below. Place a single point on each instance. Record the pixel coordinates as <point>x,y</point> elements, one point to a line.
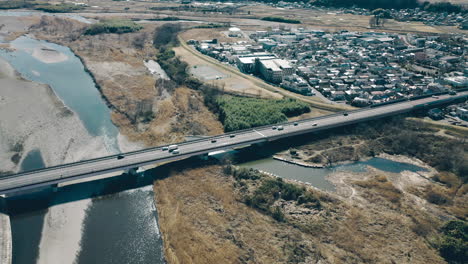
<point>259,133</point>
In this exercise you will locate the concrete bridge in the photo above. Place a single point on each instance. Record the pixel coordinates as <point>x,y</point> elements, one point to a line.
<point>69,172</point>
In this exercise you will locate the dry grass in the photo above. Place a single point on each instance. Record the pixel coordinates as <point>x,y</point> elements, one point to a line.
<point>203,220</point>
<point>379,187</point>
<point>118,68</point>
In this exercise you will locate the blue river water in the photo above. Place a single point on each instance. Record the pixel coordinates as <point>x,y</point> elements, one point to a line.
<point>317,176</point>
<point>69,80</point>
<point>120,226</point>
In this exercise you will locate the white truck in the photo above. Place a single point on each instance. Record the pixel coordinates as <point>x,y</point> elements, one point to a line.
<point>172,148</point>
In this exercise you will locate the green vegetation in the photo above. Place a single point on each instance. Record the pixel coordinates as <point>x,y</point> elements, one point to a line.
<point>212,25</point>
<point>396,4</point>
<point>241,112</point>
<point>438,7</point>
<point>270,190</point>
<point>118,26</point>
<point>453,244</point>
<point>166,36</point>
<point>442,7</point>
<point>169,18</point>
<point>397,136</point>
<point>59,8</point>
<point>14,4</point>
<point>281,20</point>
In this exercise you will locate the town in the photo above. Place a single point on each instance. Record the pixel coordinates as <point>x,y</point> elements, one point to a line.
<point>357,68</point>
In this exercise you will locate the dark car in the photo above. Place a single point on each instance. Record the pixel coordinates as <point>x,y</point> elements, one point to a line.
<point>232,135</point>
<point>120,157</point>
<point>213,141</point>
<point>345,113</point>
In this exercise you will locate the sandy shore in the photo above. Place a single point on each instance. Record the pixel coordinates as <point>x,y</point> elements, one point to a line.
<point>48,55</point>
<point>32,117</point>
<point>61,233</point>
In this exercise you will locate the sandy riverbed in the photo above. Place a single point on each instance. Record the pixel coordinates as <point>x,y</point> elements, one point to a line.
<point>48,55</point>
<point>33,117</point>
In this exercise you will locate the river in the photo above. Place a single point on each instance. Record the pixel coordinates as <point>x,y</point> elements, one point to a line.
<point>317,177</point>
<point>83,223</point>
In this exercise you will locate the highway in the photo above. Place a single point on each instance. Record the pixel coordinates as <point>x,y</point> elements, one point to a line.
<point>67,172</point>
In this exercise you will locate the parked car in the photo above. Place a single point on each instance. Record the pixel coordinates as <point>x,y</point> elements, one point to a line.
<point>295,124</point>
<point>274,127</point>
<point>120,157</point>
<point>164,148</point>
<point>232,135</point>
<point>314,124</point>
<point>175,151</point>
<point>213,141</point>
<point>280,127</point>
<point>345,113</point>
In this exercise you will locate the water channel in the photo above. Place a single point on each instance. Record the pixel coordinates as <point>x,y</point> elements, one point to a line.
<point>317,176</point>
<point>116,227</point>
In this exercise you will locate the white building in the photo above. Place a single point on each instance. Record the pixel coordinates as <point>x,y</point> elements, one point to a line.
<point>234,32</point>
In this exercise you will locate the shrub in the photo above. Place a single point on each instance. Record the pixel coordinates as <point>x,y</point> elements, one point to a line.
<point>281,20</point>
<point>436,196</point>
<point>453,244</point>
<point>118,26</point>
<point>166,36</point>
<point>277,214</point>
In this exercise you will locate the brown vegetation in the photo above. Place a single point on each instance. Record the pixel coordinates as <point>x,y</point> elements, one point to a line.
<point>204,218</point>
<point>143,107</point>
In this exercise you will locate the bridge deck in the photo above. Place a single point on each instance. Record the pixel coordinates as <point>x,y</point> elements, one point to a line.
<point>82,169</point>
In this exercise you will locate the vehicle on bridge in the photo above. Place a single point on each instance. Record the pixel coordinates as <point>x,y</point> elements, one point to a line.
<point>172,148</point>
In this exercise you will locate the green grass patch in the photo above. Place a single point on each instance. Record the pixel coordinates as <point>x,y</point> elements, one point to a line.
<point>118,26</point>
<point>241,112</point>
<point>453,244</point>
<point>60,8</point>
<point>281,20</point>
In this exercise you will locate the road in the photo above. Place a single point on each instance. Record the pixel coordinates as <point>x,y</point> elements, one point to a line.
<point>52,175</point>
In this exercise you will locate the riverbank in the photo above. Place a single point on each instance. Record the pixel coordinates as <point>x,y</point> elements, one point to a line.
<point>145,108</point>
<point>45,124</point>
<point>49,126</point>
